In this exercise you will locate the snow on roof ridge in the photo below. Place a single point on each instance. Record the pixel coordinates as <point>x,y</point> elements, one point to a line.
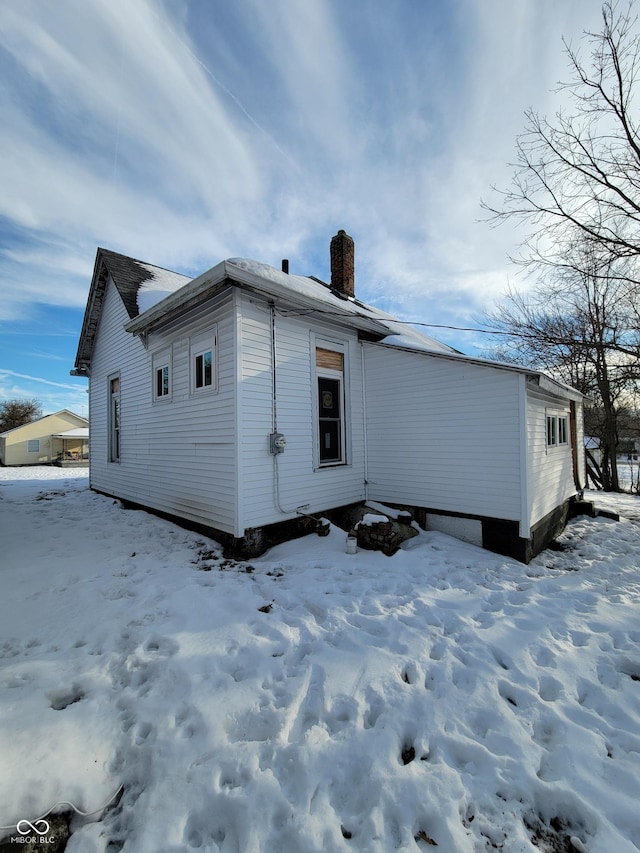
<point>162,283</point>
<point>401,333</point>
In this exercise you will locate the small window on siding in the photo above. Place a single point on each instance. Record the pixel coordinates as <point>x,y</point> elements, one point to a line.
<point>203,363</point>
<point>162,375</point>
<point>33,445</point>
<point>204,369</point>
<point>557,430</point>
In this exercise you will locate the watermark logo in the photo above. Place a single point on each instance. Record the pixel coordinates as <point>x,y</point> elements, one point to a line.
<point>33,833</point>
<point>40,827</point>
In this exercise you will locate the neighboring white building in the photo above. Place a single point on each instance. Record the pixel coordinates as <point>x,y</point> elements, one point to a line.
<point>60,438</point>
<point>248,397</point>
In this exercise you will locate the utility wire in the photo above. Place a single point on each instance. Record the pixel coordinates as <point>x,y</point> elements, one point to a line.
<point>288,312</point>
<point>516,335</point>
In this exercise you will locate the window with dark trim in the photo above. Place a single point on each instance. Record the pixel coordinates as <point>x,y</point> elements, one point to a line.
<point>330,381</point>
<point>162,375</point>
<point>162,381</point>
<point>203,369</point>
<point>114,419</point>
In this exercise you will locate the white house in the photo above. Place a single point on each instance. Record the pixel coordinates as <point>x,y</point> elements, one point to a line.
<point>248,397</point>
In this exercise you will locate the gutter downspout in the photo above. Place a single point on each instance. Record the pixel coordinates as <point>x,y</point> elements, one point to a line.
<point>364,425</point>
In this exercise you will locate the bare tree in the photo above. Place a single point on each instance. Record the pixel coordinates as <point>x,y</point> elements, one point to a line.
<point>15,413</point>
<point>581,170</point>
<point>576,325</point>
<point>576,185</point>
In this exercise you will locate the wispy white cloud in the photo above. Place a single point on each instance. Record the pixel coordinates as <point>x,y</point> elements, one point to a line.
<point>507,57</point>
<point>6,373</point>
<point>52,396</point>
<point>131,137</point>
<point>262,127</point>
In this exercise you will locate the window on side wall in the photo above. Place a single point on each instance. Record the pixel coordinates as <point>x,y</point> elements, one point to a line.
<point>114,418</point>
<point>330,390</point>
<point>203,363</point>
<point>557,430</point>
<point>563,430</point>
<point>162,375</point>
<point>33,445</point>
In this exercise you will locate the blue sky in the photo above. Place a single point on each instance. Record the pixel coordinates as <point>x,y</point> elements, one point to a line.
<point>185,132</point>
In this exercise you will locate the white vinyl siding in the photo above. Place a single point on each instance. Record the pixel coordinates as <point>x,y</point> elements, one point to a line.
<point>442,434</point>
<point>300,483</point>
<point>550,460</point>
<point>178,458</point>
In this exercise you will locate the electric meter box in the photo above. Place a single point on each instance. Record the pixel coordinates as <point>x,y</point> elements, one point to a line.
<point>277,443</point>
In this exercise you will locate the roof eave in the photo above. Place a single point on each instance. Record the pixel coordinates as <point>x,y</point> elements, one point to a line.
<point>176,303</point>
<point>544,382</point>
<point>91,316</point>
<point>553,386</point>
<point>227,273</point>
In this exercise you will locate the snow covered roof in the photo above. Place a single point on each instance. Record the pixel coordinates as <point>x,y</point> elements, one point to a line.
<point>309,295</point>
<point>402,333</point>
<point>80,432</point>
<point>153,295</point>
<point>139,284</point>
<point>160,284</point>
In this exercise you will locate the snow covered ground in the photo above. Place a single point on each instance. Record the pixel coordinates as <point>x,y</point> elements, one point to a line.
<point>311,700</point>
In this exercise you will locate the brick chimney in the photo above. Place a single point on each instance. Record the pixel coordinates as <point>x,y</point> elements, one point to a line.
<point>342,264</point>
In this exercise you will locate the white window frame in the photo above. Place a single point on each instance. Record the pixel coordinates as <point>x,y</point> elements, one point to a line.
<point>556,429</point>
<point>30,445</point>
<point>161,362</point>
<point>114,419</point>
<point>199,346</point>
<point>552,430</point>
<point>342,377</point>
